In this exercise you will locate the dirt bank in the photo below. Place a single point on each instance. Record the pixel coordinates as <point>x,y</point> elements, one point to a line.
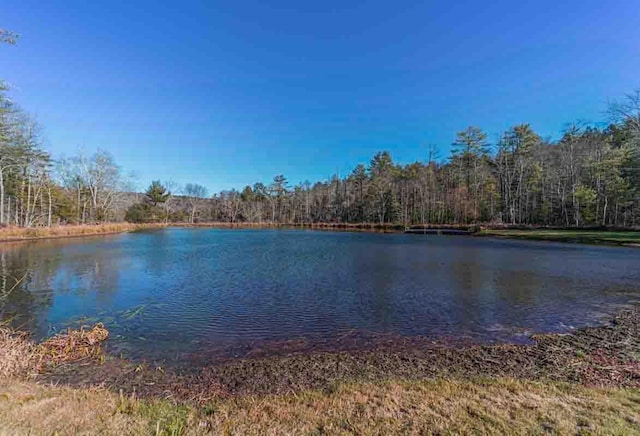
<point>599,356</point>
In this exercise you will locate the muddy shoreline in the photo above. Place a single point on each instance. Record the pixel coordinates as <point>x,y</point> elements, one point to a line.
<point>608,355</point>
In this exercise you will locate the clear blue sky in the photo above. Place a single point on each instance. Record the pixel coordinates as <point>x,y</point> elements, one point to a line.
<point>226,93</point>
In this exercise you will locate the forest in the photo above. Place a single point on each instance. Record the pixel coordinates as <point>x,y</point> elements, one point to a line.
<point>589,177</point>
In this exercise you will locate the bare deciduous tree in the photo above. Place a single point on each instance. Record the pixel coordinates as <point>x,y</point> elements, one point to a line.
<point>195,194</point>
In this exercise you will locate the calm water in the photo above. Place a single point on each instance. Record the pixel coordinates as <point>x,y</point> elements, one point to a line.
<point>170,293</point>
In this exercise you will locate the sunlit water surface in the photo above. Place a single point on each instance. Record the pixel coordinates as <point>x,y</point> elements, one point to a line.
<point>170,294</point>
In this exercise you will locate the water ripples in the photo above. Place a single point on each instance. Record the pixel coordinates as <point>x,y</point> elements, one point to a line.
<point>179,291</point>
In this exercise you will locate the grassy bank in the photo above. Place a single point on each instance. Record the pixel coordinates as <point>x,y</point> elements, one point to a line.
<point>630,238</point>
<point>495,406</point>
<point>8,234</point>
<point>587,382</point>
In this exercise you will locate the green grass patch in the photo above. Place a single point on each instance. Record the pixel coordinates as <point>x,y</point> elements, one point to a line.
<point>579,236</point>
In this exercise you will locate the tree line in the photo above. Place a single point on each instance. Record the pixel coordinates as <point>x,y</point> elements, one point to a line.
<point>590,176</point>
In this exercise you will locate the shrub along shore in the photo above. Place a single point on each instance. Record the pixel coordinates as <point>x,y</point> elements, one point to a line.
<point>584,382</point>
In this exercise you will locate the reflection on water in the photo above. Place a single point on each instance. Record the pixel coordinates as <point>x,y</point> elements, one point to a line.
<point>168,292</point>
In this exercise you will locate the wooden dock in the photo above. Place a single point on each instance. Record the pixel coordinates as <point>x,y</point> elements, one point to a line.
<point>417,230</point>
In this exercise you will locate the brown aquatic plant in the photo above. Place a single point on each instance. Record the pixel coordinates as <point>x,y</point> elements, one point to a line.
<point>74,345</point>
<point>22,358</point>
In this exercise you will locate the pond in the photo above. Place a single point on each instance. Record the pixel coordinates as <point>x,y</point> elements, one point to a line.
<point>175,293</point>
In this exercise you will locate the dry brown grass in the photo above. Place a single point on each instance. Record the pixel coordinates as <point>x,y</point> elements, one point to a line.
<point>21,358</point>
<point>20,233</point>
<point>502,406</point>
<point>27,408</point>
<point>499,406</point>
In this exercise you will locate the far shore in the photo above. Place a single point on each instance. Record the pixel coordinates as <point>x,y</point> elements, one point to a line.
<point>629,237</point>
<point>17,234</point>
<point>616,237</point>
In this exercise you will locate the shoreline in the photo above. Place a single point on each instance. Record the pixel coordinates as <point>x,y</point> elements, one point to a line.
<point>601,356</point>
<point>19,234</point>
<point>593,373</point>
<point>613,238</point>
<point>597,236</point>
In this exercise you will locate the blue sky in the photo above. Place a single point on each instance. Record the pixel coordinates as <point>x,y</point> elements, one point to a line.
<point>227,93</point>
